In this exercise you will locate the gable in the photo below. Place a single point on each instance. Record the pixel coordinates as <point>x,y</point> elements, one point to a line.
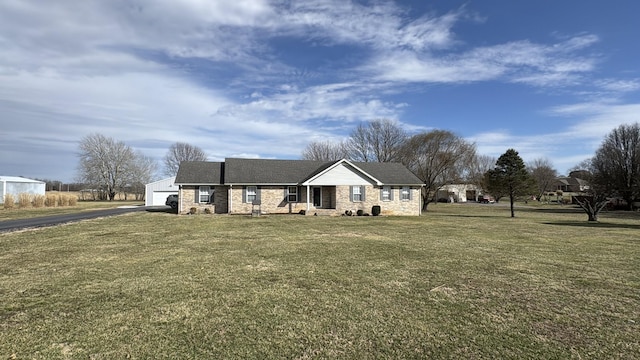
<point>342,174</point>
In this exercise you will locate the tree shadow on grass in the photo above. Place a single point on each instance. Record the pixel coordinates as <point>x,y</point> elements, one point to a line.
<point>601,225</point>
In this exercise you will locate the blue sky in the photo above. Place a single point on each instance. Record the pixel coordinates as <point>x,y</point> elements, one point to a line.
<point>251,78</point>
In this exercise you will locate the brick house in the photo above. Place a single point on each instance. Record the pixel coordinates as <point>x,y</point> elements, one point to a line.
<point>240,186</point>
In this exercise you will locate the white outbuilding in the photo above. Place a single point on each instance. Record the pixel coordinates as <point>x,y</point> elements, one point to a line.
<point>16,185</point>
<point>156,193</point>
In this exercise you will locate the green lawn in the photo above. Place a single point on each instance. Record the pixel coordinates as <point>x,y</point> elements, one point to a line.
<point>462,281</point>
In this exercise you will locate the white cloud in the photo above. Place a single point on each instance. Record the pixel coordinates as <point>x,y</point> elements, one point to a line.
<point>520,61</point>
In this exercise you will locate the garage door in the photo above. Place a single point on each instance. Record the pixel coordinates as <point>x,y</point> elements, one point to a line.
<point>159,197</point>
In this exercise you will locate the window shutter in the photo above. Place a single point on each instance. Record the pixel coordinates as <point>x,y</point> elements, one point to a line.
<point>351,193</point>
<point>286,193</point>
<point>381,192</point>
<point>410,194</point>
<point>197,198</point>
<point>258,194</point>
<point>391,193</point>
<point>244,194</point>
<point>362,193</point>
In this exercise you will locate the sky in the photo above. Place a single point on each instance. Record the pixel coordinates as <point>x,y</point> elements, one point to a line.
<point>262,79</point>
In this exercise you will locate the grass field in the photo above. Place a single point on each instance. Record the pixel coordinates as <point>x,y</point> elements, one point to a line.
<point>23,213</point>
<point>462,281</point>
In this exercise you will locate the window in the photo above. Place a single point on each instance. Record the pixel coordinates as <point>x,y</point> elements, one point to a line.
<point>292,194</point>
<point>385,195</point>
<point>252,192</point>
<point>406,193</point>
<point>203,192</point>
<point>356,193</point>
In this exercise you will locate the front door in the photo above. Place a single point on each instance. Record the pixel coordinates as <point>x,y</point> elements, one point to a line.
<point>317,197</point>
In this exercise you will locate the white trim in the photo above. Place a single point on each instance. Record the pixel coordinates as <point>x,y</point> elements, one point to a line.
<point>402,189</point>
<point>255,193</point>
<point>336,164</point>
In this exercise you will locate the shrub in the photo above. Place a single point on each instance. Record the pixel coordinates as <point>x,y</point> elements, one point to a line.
<point>51,200</point>
<point>24,200</point>
<point>193,211</point>
<point>63,200</point>
<point>73,200</point>
<point>39,200</point>
<point>375,210</point>
<point>9,201</point>
<point>359,212</point>
<point>207,211</point>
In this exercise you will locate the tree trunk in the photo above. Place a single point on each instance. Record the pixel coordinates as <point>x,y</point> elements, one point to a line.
<point>591,207</point>
<point>511,203</point>
<point>425,202</point>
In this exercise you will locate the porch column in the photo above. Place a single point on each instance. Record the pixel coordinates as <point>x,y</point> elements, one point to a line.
<point>308,207</point>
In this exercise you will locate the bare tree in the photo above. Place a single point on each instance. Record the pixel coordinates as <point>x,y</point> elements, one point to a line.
<point>436,157</point>
<point>325,151</point>
<point>104,163</point>
<point>616,164</point>
<point>544,174</point>
<point>179,152</point>
<point>378,141</point>
<point>478,166</point>
<point>140,172</point>
<point>595,198</point>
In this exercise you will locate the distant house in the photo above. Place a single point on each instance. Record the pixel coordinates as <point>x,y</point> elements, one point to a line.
<point>458,193</point>
<point>16,185</point>
<point>569,184</point>
<point>240,186</point>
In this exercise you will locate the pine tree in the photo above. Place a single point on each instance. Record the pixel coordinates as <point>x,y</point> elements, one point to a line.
<point>510,177</point>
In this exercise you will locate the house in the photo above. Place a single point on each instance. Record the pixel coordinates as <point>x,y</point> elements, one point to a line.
<point>156,193</point>
<point>458,193</point>
<point>16,185</point>
<point>240,186</point>
<point>570,184</point>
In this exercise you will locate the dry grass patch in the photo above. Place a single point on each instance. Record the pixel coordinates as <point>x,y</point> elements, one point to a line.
<point>459,282</point>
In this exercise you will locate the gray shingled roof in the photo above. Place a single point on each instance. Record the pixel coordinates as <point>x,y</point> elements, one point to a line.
<point>389,173</point>
<point>200,172</point>
<point>267,171</point>
<point>281,172</point>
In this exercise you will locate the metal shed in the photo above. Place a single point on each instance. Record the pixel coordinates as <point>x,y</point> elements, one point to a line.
<point>16,185</point>
<point>156,193</point>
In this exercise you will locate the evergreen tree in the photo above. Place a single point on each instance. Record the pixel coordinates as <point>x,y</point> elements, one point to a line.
<point>510,177</point>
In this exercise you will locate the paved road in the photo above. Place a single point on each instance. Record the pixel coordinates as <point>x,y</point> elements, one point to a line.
<point>13,225</point>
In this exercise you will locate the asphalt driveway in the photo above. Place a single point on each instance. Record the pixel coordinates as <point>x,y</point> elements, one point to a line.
<point>19,224</point>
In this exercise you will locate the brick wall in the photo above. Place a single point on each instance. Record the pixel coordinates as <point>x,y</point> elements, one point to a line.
<point>188,200</point>
<point>335,201</point>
